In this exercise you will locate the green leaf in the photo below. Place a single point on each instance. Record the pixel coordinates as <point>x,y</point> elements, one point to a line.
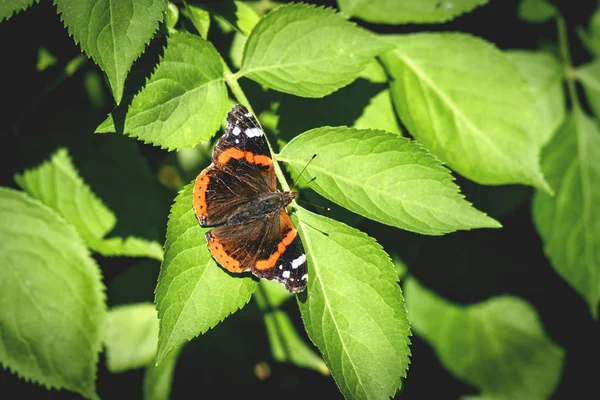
<point>193,293</point>
<point>408,11</point>
<point>379,114</point>
<point>544,74</point>
<point>112,33</point>
<point>183,102</point>
<point>200,19</point>
<point>536,11</point>
<point>468,104</point>
<point>308,51</point>
<point>589,76</point>
<point>384,177</point>
<point>8,8</point>
<point>238,15</point>
<point>52,305</point>
<point>58,185</point>
<point>130,336</point>
<point>158,379</point>
<point>569,223</point>
<point>498,345</point>
<point>287,346</point>
<point>353,310</point>
<point>131,246</point>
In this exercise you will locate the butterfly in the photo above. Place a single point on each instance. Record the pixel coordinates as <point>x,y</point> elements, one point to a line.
<point>237,194</point>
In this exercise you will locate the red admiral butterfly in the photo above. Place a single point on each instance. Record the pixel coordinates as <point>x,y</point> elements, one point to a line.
<point>238,192</point>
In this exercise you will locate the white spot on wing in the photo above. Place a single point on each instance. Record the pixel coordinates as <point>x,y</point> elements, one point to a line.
<point>286,274</point>
<point>236,131</point>
<point>248,115</point>
<point>237,140</point>
<point>253,132</point>
<point>304,277</point>
<point>281,267</point>
<point>298,261</point>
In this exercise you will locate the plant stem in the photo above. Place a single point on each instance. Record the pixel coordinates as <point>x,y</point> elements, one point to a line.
<point>236,89</point>
<point>569,71</point>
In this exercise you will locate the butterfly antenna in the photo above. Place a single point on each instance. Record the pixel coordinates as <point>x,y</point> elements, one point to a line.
<point>314,205</point>
<point>303,169</point>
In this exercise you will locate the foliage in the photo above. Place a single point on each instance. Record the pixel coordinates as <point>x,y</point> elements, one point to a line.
<point>461,171</point>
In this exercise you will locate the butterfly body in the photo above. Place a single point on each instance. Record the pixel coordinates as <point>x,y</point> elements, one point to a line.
<point>237,194</point>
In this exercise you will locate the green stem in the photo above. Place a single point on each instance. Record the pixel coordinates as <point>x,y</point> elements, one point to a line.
<point>569,71</point>
<point>238,93</point>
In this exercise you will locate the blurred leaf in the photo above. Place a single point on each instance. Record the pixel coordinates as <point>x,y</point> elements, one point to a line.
<point>130,337</point>
<point>236,51</point>
<point>545,77</point>
<point>94,89</point>
<point>183,102</point>
<point>52,305</point>
<point>193,293</point>
<point>117,35</point>
<point>589,76</point>
<point>45,59</point>
<point>158,379</point>
<point>590,37</point>
<point>58,185</point>
<point>331,54</point>
<point>467,103</point>
<point>171,15</point>
<point>287,346</point>
<point>536,11</point>
<point>385,177</point>
<point>8,8</point>
<point>200,19</point>
<point>498,345</point>
<point>408,11</point>
<point>569,223</point>
<point>353,309</point>
<point>379,114</point>
<point>344,107</point>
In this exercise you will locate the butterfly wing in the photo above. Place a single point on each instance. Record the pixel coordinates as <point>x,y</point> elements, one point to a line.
<point>270,248</point>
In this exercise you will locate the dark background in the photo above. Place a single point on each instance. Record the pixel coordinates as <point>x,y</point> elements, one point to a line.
<point>463,266</point>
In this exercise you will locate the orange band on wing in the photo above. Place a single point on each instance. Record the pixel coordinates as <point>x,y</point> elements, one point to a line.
<point>272,260</point>
<point>199,196</point>
<point>232,152</point>
<point>219,253</point>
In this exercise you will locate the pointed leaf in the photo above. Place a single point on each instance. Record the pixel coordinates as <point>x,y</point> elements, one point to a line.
<point>183,102</point>
<point>8,8</point>
<point>308,51</point>
<point>193,293</point>
<point>569,223</point>
<point>384,177</point>
<point>408,11</point>
<point>498,345</point>
<point>287,346</point>
<point>112,33</point>
<point>52,305</point>
<point>353,309</point>
<point>130,336</point>
<point>468,104</point>
<point>58,185</point>
<point>544,74</point>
